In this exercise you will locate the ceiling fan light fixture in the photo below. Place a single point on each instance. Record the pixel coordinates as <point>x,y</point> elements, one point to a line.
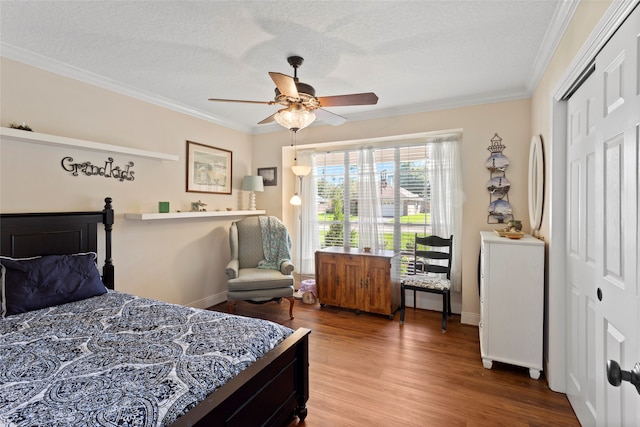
<point>294,117</point>
<point>300,101</point>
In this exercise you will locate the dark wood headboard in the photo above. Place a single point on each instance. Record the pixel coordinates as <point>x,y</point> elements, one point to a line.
<point>24,235</point>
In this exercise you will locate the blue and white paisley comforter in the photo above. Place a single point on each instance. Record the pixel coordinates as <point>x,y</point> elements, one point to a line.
<point>118,359</point>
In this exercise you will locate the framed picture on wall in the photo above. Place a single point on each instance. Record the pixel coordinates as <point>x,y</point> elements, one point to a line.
<point>208,169</point>
<point>269,176</point>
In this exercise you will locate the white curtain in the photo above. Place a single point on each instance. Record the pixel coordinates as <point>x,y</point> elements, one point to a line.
<point>445,171</point>
<point>308,215</point>
<point>369,208</point>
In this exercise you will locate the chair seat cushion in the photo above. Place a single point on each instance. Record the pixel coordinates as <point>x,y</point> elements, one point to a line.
<point>428,282</point>
<point>259,295</point>
<point>250,279</point>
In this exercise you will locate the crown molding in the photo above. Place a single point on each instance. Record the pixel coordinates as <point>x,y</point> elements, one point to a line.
<point>559,23</point>
<point>66,70</point>
<point>48,64</point>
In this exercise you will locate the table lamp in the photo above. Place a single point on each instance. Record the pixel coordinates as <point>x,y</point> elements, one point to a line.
<point>252,183</point>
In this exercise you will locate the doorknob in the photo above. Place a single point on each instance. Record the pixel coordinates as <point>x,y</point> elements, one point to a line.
<point>615,375</point>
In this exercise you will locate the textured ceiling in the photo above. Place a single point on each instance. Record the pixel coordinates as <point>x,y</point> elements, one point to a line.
<point>415,55</point>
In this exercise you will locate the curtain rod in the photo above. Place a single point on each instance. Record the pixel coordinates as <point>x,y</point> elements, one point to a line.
<point>391,143</point>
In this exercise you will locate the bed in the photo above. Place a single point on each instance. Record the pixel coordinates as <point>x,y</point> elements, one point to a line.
<point>168,364</point>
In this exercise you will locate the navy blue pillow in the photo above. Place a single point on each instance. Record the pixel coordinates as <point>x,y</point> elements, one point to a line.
<point>35,283</point>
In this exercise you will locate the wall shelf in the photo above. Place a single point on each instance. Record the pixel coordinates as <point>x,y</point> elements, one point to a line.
<point>183,215</point>
<point>41,138</point>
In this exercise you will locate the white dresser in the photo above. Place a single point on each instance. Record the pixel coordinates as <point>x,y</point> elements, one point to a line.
<point>511,301</point>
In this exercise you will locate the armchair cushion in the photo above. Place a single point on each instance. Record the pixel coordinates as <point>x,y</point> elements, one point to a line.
<point>249,238</point>
<point>261,295</point>
<point>259,278</point>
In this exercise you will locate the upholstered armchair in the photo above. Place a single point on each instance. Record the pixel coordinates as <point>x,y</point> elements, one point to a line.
<point>260,269</point>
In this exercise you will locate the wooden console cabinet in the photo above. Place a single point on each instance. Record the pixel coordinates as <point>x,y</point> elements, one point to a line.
<point>354,279</point>
<point>511,301</point>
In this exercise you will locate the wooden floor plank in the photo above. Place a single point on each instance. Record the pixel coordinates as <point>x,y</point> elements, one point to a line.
<point>367,370</point>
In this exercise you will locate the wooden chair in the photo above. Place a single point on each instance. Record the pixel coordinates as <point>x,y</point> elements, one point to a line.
<point>428,275</point>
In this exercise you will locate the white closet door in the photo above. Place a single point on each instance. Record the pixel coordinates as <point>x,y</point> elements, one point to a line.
<point>618,139</point>
<point>603,232</point>
<point>581,251</point>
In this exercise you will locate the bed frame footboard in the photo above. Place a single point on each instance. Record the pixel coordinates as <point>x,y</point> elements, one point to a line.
<point>270,392</point>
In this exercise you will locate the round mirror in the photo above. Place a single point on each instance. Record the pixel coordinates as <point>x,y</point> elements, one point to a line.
<point>536,182</point>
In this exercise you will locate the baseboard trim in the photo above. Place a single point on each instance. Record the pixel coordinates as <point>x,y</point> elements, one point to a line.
<point>209,301</point>
<point>470,318</point>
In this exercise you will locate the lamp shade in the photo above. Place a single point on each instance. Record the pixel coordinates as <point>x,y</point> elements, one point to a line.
<point>252,183</point>
<point>294,117</point>
<point>301,170</point>
<point>295,200</point>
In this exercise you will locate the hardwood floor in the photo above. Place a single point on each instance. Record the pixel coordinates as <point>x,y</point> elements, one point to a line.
<point>366,370</point>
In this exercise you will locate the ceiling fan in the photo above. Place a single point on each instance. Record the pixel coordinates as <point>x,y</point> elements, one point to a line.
<point>301,102</point>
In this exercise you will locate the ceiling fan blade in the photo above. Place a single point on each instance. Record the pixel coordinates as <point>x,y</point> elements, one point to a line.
<point>329,117</point>
<point>286,84</point>
<point>368,98</point>
<point>241,100</point>
<point>268,119</point>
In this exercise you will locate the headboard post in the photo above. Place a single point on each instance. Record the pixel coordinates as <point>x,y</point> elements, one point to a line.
<point>108,270</point>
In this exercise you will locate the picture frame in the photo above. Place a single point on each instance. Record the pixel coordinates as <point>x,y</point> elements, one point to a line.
<point>269,176</point>
<point>209,169</point>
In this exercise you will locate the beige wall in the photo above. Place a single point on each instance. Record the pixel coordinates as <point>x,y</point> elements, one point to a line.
<point>479,123</point>
<point>180,261</point>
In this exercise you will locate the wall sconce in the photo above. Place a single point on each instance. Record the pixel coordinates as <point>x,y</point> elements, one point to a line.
<point>252,183</point>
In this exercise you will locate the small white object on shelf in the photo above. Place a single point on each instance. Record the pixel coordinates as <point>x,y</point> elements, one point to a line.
<point>183,215</point>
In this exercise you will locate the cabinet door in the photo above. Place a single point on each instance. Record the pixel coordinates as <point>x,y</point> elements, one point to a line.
<point>352,282</point>
<point>376,295</point>
<point>328,279</point>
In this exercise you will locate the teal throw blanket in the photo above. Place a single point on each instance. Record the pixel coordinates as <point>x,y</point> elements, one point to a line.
<point>276,242</point>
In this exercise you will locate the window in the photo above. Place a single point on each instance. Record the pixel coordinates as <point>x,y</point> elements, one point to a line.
<point>335,199</point>
<point>381,196</point>
<point>402,182</point>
